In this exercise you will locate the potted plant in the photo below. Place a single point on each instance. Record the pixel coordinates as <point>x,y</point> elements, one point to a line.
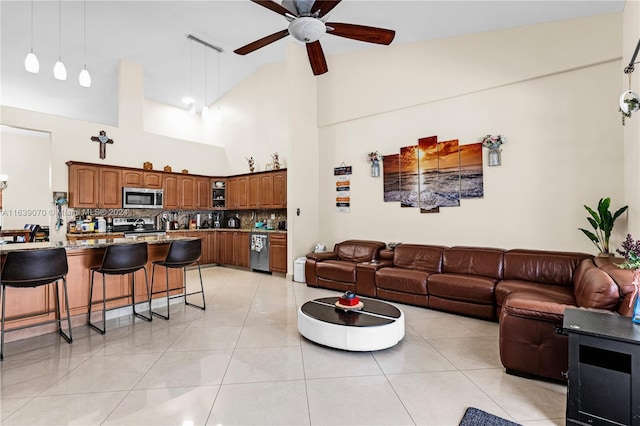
<point>602,222</point>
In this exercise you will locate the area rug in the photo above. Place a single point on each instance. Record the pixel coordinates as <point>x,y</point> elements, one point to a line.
<point>475,417</point>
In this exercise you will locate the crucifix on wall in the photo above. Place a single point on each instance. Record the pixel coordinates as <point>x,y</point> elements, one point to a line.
<point>103,139</point>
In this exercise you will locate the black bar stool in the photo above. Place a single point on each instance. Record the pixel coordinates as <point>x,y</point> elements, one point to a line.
<point>182,253</point>
<point>34,268</point>
<point>121,259</point>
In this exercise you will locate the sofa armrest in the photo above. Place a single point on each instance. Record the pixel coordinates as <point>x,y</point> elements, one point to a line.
<point>366,277</point>
<point>535,306</point>
<point>318,257</point>
<point>386,254</point>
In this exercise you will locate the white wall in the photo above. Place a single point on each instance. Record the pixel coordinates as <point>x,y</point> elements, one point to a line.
<point>551,89</point>
<point>70,139</point>
<point>24,157</point>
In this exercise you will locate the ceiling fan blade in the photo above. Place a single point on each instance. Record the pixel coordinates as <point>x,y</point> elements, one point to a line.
<point>316,58</point>
<point>261,43</point>
<point>323,7</point>
<point>271,5</point>
<point>361,32</point>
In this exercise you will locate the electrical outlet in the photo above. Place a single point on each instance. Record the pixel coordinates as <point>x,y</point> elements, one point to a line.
<point>273,215</point>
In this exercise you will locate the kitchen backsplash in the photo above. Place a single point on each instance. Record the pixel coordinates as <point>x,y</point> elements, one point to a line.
<point>247,217</point>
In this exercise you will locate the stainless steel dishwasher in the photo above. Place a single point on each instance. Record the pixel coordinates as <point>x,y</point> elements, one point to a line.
<point>259,251</point>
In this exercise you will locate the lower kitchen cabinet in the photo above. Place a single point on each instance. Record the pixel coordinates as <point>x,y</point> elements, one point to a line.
<point>231,248</point>
<point>278,253</point>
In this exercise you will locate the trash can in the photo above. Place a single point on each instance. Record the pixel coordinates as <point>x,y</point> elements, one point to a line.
<point>298,269</point>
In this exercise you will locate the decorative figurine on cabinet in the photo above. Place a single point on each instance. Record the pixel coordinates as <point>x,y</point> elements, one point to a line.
<point>276,161</point>
<point>252,164</point>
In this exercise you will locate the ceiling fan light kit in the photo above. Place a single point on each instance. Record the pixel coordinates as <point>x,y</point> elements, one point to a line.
<point>307,29</point>
<point>307,24</point>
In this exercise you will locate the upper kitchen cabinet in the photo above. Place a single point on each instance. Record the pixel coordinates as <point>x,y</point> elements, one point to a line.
<point>83,185</point>
<point>219,193</point>
<point>110,192</point>
<point>237,192</point>
<point>92,186</point>
<point>268,190</point>
<point>187,191</point>
<point>179,191</point>
<point>132,178</point>
<point>279,189</point>
<point>170,198</point>
<point>203,193</point>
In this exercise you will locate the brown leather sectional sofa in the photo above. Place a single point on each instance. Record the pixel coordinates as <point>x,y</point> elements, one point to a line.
<point>526,290</point>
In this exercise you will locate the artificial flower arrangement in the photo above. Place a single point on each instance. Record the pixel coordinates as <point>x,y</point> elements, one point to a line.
<point>631,252</point>
<point>372,157</point>
<point>493,141</point>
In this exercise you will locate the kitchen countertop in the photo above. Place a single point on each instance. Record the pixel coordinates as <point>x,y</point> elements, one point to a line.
<point>91,243</point>
<point>275,231</point>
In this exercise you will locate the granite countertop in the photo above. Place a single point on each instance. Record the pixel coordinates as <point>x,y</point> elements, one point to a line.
<point>91,243</point>
<point>275,231</point>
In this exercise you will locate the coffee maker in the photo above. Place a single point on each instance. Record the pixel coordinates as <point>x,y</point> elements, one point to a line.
<point>218,219</point>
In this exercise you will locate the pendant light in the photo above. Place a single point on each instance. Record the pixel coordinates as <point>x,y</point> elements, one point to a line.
<point>84,78</point>
<point>205,108</point>
<point>31,63</point>
<point>59,70</point>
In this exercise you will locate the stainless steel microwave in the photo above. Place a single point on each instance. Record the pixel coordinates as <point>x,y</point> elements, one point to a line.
<point>141,198</point>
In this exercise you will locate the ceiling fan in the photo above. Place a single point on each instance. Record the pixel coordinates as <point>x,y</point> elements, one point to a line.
<point>307,23</point>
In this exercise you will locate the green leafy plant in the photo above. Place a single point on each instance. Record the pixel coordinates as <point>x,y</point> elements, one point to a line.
<point>602,222</point>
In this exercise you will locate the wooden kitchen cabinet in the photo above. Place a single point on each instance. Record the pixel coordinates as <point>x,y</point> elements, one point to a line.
<point>237,192</point>
<point>279,200</point>
<point>187,192</point>
<point>253,191</point>
<point>152,180</point>
<point>110,192</point>
<point>83,185</point>
<point>267,190</point>
<point>92,186</point>
<point>170,191</point>
<point>227,248</point>
<point>179,191</point>
<point>204,198</point>
<point>278,252</point>
<point>132,178</point>
<point>241,249</point>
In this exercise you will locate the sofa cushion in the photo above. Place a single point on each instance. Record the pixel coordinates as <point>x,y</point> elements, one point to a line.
<point>556,292</point>
<point>337,270</point>
<point>546,267</point>
<point>468,288</point>
<point>358,250</point>
<point>402,280</point>
<point>418,256</point>
<point>486,262</point>
<point>594,288</point>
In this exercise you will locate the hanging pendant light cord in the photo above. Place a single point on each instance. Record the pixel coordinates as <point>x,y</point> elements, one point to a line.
<point>31,26</point>
<point>59,29</point>
<point>84,34</point>
<point>205,76</point>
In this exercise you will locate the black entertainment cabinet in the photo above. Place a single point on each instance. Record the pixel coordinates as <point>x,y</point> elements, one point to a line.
<point>604,368</point>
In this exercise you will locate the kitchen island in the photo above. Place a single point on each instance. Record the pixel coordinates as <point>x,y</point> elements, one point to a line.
<point>27,305</point>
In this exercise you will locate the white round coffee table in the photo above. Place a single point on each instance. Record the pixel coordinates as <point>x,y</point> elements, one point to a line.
<point>378,325</point>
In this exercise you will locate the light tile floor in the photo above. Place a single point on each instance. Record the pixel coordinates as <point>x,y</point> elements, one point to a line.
<point>242,361</point>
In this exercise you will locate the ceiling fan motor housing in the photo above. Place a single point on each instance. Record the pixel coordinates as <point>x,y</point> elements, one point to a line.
<point>307,29</point>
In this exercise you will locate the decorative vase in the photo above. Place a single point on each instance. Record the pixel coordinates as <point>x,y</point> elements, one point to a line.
<point>495,157</point>
<point>375,168</point>
<point>636,307</point>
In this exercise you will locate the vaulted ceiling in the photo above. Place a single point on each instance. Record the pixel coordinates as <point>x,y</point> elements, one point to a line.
<point>153,33</point>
